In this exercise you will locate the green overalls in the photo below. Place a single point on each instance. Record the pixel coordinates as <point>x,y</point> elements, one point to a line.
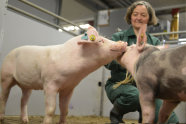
<point>127,95</point>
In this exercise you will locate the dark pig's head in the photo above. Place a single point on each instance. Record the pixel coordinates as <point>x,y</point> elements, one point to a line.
<point>133,52</point>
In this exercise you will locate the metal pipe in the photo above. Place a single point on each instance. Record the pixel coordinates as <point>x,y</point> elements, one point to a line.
<point>127,3</point>
<point>174,42</point>
<point>58,10</point>
<point>168,33</point>
<point>38,18</point>
<point>123,3</point>
<point>174,23</point>
<point>118,3</point>
<point>170,7</point>
<point>50,13</point>
<point>102,93</point>
<point>100,3</point>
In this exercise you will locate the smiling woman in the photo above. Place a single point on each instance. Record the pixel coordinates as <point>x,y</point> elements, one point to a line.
<point>147,10</point>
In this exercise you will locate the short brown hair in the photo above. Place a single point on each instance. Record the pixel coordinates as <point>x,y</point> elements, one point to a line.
<point>152,16</point>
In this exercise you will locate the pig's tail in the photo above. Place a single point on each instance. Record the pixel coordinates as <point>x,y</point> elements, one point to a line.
<point>128,79</point>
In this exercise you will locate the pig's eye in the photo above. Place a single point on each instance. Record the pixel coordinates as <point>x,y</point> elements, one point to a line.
<point>101,40</point>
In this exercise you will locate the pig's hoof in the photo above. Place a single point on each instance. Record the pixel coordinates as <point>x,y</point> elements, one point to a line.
<point>1,118</point>
<point>2,121</point>
<point>24,120</point>
<point>62,123</point>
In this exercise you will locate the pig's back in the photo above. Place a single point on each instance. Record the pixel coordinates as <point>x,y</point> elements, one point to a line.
<point>28,53</point>
<point>166,72</point>
<point>25,63</point>
<point>174,77</point>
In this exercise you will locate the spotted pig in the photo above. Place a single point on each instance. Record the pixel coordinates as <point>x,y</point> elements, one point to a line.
<point>159,73</point>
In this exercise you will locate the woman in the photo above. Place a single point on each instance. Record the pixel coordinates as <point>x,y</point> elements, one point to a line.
<point>125,97</point>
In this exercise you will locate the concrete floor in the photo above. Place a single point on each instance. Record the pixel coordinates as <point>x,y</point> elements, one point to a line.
<point>70,120</point>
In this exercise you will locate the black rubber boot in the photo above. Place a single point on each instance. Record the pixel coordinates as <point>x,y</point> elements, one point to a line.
<point>116,114</point>
<point>140,117</point>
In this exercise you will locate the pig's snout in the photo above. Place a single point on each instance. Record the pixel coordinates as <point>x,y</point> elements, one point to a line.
<point>119,46</point>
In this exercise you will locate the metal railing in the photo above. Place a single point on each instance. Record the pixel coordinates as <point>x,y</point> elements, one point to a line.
<point>168,33</point>
<point>67,21</point>
<point>42,20</point>
<point>175,41</point>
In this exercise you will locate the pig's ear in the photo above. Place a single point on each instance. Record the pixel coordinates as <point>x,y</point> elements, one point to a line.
<point>141,38</point>
<point>92,34</point>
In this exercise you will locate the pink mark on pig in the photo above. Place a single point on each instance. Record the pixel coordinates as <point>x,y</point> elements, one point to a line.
<point>184,71</point>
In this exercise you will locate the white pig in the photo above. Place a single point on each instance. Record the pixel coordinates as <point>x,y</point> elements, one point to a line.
<point>158,74</point>
<point>55,69</point>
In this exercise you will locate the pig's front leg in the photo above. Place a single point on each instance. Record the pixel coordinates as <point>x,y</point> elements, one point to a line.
<point>2,109</point>
<point>64,99</point>
<point>50,91</point>
<point>166,109</point>
<point>24,100</point>
<point>147,103</point>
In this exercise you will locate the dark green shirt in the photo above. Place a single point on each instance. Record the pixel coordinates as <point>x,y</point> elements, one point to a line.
<point>118,72</point>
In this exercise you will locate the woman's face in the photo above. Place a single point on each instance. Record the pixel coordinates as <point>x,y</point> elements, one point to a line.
<point>139,16</point>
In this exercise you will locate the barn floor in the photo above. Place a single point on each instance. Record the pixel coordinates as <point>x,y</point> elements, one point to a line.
<point>70,120</point>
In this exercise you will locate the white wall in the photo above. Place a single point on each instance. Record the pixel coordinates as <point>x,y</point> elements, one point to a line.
<point>20,30</point>
<point>2,4</point>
